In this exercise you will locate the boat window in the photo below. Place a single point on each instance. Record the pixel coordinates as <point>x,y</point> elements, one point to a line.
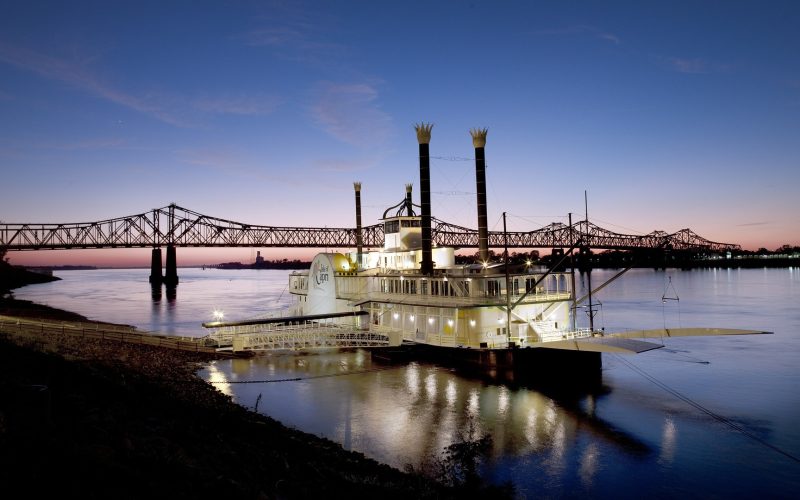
<point>410,223</point>
<point>493,288</point>
<point>391,226</point>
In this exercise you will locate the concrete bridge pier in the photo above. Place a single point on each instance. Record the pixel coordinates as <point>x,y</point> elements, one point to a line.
<point>556,255</point>
<point>171,272</point>
<point>585,259</point>
<point>155,267</point>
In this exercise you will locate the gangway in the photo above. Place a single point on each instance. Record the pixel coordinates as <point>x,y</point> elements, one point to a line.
<point>298,333</point>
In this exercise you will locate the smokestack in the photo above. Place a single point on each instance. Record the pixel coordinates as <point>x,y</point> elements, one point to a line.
<point>479,142</point>
<point>424,138</point>
<point>359,240</point>
<point>409,203</point>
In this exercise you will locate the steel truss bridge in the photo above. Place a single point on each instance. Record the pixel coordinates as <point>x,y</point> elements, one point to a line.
<point>175,226</point>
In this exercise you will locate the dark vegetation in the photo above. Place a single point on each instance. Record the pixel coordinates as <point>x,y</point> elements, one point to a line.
<point>267,264</point>
<point>784,256</point>
<point>12,277</point>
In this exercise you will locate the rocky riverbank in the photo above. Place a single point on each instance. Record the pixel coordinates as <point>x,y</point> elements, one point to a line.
<point>105,419</point>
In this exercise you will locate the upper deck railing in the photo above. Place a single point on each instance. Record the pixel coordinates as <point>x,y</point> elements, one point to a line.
<point>181,227</point>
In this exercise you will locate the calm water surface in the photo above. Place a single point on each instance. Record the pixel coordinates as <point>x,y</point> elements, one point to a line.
<point>702,417</point>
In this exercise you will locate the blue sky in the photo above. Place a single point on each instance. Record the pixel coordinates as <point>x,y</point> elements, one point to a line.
<point>669,114</point>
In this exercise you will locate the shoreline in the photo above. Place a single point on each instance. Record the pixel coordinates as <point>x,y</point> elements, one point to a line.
<point>134,421</point>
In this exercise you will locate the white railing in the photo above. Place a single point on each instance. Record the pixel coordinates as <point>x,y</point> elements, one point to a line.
<point>308,339</point>
<point>549,336</point>
<point>449,300</point>
<point>305,335</point>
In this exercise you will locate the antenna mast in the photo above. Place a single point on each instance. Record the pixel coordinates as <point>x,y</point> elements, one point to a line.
<point>508,284</point>
<point>572,274</point>
<point>589,266</point>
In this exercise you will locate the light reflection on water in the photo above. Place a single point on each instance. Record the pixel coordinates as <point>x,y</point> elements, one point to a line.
<point>402,414</point>
<point>626,437</point>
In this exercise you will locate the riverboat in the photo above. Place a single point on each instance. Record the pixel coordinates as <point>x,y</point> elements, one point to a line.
<point>412,295</point>
<point>488,314</point>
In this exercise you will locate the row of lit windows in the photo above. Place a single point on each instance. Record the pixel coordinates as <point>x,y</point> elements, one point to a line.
<point>393,226</point>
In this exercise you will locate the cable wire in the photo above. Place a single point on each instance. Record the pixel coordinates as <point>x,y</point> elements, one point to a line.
<point>716,416</point>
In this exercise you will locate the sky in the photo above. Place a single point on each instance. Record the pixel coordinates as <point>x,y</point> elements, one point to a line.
<point>663,115</point>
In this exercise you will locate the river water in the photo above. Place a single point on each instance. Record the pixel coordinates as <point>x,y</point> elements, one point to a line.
<point>710,417</point>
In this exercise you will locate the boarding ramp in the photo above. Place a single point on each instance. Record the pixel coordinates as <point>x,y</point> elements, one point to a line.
<point>298,333</point>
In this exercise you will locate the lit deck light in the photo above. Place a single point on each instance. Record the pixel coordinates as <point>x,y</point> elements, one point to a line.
<point>430,321</point>
<point>218,315</point>
<point>411,317</point>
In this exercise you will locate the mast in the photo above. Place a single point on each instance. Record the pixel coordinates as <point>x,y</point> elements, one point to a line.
<point>508,284</point>
<point>589,267</point>
<point>572,273</point>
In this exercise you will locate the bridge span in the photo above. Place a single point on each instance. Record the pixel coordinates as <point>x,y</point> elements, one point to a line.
<point>174,226</point>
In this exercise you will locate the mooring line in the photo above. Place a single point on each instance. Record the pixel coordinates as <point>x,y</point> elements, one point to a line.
<point>712,414</point>
<point>297,379</point>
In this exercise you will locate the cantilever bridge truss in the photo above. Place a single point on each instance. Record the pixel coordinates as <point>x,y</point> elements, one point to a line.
<point>181,227</point>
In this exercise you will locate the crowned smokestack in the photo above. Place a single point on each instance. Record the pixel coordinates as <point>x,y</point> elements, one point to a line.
<point>359,240</point>
<point>479,141</point>
<point>424,138</point>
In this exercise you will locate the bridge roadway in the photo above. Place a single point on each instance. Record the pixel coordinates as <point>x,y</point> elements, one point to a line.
<point>174,226</point>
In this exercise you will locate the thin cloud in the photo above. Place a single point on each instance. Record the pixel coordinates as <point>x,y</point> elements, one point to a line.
<point>234,165</point>
<point>277,36</point>
<point>76,75</point>
<point>91,145</point>
<point>348,165</point>
<point>296,41</point>
<point>581,29</point>
<point>351,113</point>
<point>610,37</point>
<point>750,224</point>
<point>696,66</point>
<point>238,105</point>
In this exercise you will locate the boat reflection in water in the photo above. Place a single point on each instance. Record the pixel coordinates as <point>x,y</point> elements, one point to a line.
<point>408,413</point>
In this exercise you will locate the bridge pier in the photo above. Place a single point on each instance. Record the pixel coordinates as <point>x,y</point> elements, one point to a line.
<point>585,259</point>
<point>155,267</point>
<point>556,254</point>
<point>171,272</point>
